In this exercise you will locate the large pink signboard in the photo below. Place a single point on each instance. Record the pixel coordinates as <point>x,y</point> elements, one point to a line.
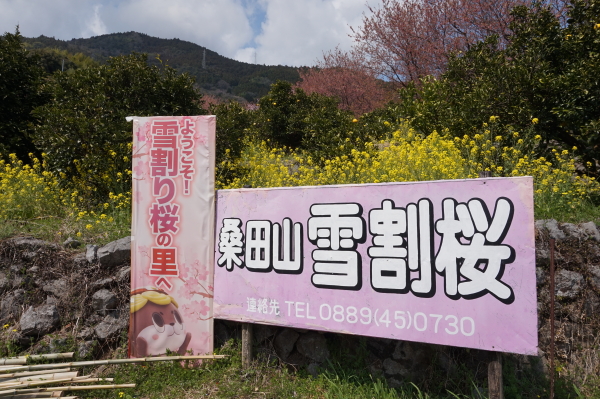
<point>447,262</point>
<point>172,242</point>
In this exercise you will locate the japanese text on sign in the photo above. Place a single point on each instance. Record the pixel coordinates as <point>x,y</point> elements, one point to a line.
<point>171,157</point>
<point>471,256</point>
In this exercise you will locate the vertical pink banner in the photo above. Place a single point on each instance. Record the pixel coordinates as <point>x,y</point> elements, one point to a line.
<point>172,246</point>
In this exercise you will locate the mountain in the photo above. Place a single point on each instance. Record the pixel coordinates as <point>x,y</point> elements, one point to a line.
<point>214,73</point>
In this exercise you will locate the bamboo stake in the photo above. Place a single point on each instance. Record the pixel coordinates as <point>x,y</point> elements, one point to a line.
<point>105,362</point>
<point>66,355</point>
<point>97,379</point>
<point>40,377</point>
<point>57,394</point>
<point>27,384</point>
<point>13,361</point>
<point>28,373</point>
<point>67,388</point>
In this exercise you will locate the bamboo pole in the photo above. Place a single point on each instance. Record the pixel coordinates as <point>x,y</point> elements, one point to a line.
<point>67,388</point>
<point>27,384</point>
<point>57,394</point>
<point>39,377</point>
<point>65,355</point>
<point>28,373</point>
<point>106,362</point>
<point>13,361</point>
<point>96,379</point>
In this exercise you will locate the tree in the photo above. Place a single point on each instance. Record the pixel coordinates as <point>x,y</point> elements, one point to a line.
<point>342,76</point>
<point>547,75</point>
<point>83,129</point>
<point>21,77</point>
<point>404,40</point>
<point>289,117</point>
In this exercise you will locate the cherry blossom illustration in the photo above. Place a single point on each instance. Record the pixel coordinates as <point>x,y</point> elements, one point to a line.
<point>141,168</point>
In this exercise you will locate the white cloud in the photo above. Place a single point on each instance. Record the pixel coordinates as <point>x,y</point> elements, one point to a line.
<point>95,26</point>
<point>246,54</point>
<point>293,32</point>
<point>298,32</point>
<point>220,25</point>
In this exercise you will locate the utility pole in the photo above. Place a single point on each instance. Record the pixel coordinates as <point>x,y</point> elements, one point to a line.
<point>204,59</point>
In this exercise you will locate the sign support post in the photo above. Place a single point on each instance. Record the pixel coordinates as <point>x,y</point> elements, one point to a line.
<point>247,338</point>
<point>496,390</point>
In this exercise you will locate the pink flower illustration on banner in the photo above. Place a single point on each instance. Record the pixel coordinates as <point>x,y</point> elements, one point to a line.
<point>203,308</point>
<point>141,168</point>
<point>204,339</point>
<point>144,250</point>
<point>199,139</point>
<point>138,197</point>
<point>202,270</point>
<point>142,132</point>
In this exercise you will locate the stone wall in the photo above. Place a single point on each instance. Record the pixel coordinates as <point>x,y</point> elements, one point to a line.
<point>54,297</point>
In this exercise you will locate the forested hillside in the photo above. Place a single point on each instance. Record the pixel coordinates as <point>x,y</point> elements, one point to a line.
<point>219,75</point>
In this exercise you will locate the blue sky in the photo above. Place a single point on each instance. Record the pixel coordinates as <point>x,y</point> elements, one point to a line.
<point>286,32</point>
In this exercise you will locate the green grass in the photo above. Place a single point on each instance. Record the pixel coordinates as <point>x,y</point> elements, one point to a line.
<point>226,378</point>
<point>58,229</point>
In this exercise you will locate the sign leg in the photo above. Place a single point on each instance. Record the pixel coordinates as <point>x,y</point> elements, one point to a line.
<point>496,390</point>
<point>246,344</point>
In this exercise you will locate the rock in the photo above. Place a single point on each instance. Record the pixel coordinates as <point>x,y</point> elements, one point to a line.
<point>297,359</point>
<point>314,346</point>
<point>39,321</point>
<point>4,283</point>
<point>86,349</point>
<point>591,305</point>
<point>413,357</point>
<point>378,346</point>
<point>551,226</point>
<point>115,253</point>
<point>313,369</point>
<point>284,342</point>
<point>16,268</point>
<point>391,367</point>
<point>103,301</point>
<point>446,363</point>
<point>124,274</point>
<point>57,288</point>
<point>86,333</point>
<point>31,244</point>
<point>28,256</point>
<point>542,257</point>
<point>71,243</point>
<point>263,332</point>
<point>17,281</point>
<point>101,283</point>
<point>583,231</point>
<point>112,325</point>
<point>572,230</point>
<point>91,253</point>
<point>33,270</point>
<point>595,278</point>
<point>568,284</point>
<point>11,305</point>
<point>50,300</point>
<point>540,276</point>
<point>591,230</point>
<point>221,335</point>
<point>58,345</point>
<point>394,383</point>
<point>80,260</point>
